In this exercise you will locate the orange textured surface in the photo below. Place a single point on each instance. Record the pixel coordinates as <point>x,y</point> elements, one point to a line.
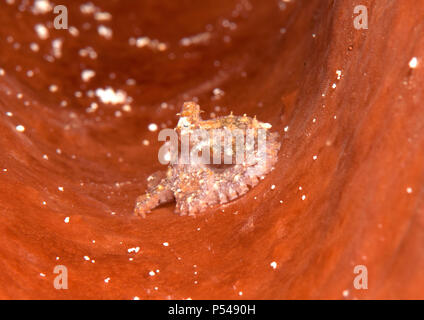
<point>358,202</point>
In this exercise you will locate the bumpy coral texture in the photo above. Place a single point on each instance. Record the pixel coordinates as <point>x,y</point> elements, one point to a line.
<point>197,186</point>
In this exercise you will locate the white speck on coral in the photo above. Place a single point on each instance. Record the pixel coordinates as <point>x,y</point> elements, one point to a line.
<point>111,96</point>
<point>73,31</point>
<point>315,157</point>
<point>126,108</point>
<point>218,93</point>
<point>57,48</point>
<point>93,107</point>
<point>105,32</point>
<point>86,258</point>
<point>88,52</point>
<point>413,63</point>
<point>409,190</point>
<point>42,31</point>
<point>130,82</point>
<point>152,127</point>
<point>273,265</point>
<point>140,42</point>
<point>67,219</point>
<point>88,8</point>
<point>60,189</point>
<point>41,7</point>
<point>20,128</point>
<point>165,244</point>
<point>303,197</point>
<point>53,88</point>
<point>34,47</point>
<point>135,249</point>
<point>102,16</point>
<point>86,75</point>
<point>151,273</point>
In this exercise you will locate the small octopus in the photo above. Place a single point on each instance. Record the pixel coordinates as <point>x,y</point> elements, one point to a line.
<point>197,186</point>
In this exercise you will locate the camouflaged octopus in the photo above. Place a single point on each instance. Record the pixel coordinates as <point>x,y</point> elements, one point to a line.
<point>197,186</point>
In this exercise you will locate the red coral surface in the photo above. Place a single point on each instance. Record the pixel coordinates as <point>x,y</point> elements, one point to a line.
<point>348,185</point>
